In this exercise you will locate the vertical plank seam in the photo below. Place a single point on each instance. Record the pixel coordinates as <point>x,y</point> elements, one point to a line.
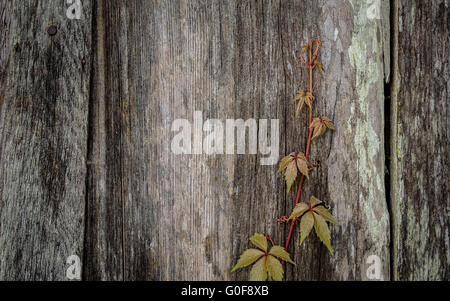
<point>387,138</point>
<point>90,127</point>
<point>122,143</point>
<point>393,171</point>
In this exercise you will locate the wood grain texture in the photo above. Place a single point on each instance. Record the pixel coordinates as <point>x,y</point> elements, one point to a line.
<point>164,212</point>
<point>190,216</point>
<point>420,132</point>
<point>43,134</point>
<point>351,176</point>
<point>85,129</point>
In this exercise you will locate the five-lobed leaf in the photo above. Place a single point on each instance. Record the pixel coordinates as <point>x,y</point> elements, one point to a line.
<point>260,241</point>
<point>320,126</point>
<point>328,123</point>
<point>265,262</point>
<point>279,252</point>
<point>314,215</point>
<point>291,164</point>
<point>247,258</point>
<point>274,268</point>
<point>302,97</point>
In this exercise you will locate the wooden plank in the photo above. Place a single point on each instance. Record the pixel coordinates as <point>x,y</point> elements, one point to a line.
<point>190,216</point>
<point>5,19</point>
<point>43,134</point>
<point>420,133</point>
<point>172,207</point>
<point>351,176</point>
<point>104,226</point>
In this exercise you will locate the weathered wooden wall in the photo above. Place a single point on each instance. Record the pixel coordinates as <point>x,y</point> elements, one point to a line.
<point>85,131</point>
<point>420,142</point>
<point>43,126</point>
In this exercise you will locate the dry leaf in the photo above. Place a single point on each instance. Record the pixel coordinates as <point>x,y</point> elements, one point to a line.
<point>303,167</point>
<point>318,130</point>
<point>320,126</point>
<point>291,164</point>
<point>328,123</point>
<point>302,97</point>
<point>285,161</point>
<point>315,122</point>
<point>290,174</point>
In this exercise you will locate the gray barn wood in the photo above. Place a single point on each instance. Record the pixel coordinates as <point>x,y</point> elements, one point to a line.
<point>420,142</point>
<point>85,131</point>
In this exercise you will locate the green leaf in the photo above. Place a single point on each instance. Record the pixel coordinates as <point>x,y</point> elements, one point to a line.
<point>299,209</point>
<point>291,174</point>
<point>322,231</point>
<point>248,257</point>
<point>260,241</point>
<point>258,271</point>
<point>274,268</point>
<point>322,211</point>
<point>314,201</point>
<point>279,252</point>
<point>306,224</point>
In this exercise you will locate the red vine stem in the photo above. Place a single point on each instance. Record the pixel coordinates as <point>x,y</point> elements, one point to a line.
<point>311,65</point>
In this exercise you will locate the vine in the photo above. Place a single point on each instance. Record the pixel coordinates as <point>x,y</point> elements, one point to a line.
<point>312,215</point>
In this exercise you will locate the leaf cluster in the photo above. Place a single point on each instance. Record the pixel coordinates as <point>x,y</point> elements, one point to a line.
<point>265,262</point>
<point>291,164</point>
<point>320,125</point>
<point>314,215</point>
<point>303,97</point>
